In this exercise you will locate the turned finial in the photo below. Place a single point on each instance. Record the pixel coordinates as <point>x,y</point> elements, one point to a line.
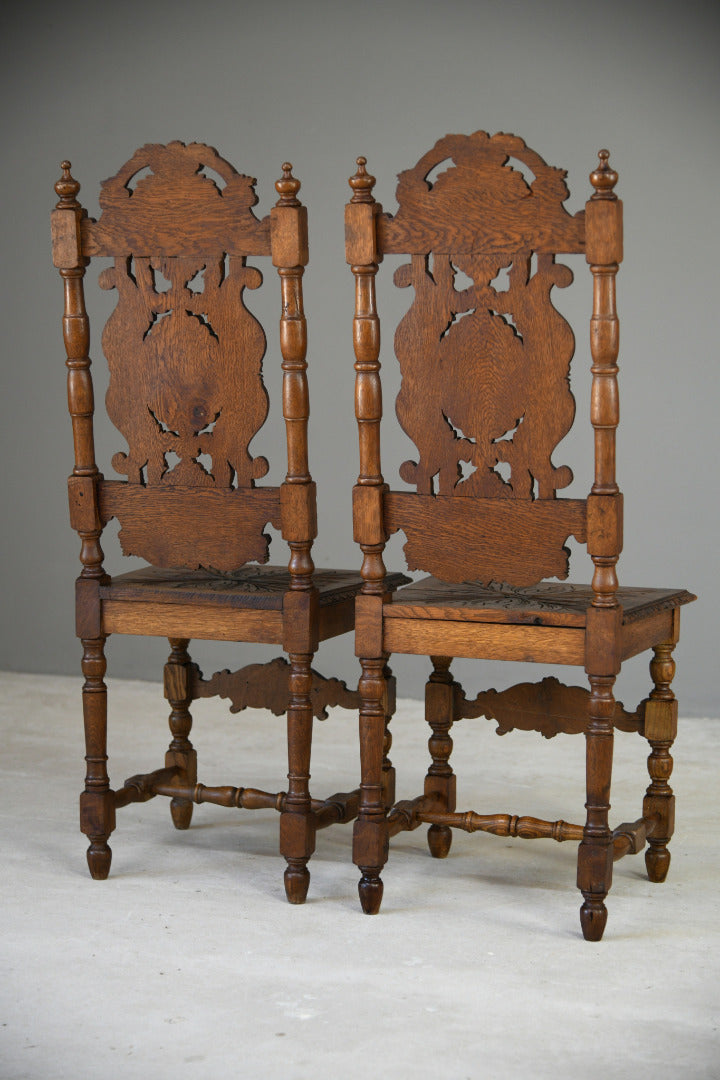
<point>287,187</point>
<point>67,188</point>
<point>603,178</point>
<point>362,183</point>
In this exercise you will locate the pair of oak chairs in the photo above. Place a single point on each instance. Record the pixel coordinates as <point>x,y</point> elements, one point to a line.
<point>484,396</point>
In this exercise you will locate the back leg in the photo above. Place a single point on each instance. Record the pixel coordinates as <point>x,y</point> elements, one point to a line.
<point>180,752</point>
<point>297,822</point>
<point>440,781</point>
<point>660,731</point>
<point>595,853</point>
<point>370,831</point>
<point>97,802</point>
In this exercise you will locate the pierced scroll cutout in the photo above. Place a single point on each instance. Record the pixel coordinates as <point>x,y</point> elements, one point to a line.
<point>484,355</point>
<point>185,363</point>
<point>485,377</point>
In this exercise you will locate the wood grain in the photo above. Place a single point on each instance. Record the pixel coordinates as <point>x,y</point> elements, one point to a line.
<point>207,621</point>
<point>178,208</point>
<point>545,604</point>
<point>192,527</point>
<point>519,543</point>
<point>548,707</point>
<point>268,686</point>
<point>480,202</point>
<point>542,644</point>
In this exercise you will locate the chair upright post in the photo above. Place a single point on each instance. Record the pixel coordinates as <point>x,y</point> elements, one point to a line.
<point>603,223</point>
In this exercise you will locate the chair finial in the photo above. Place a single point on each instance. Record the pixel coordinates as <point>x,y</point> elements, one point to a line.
<point>67,189</point>
<point>603,178</point>
<point>287,187</point>
<point>362,183</point>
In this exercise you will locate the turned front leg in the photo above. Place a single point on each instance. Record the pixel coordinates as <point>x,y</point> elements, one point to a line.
<point>97,805</point>
<point>297,823</point>
<point>440,782</point>
<point>595,854</point>
<point>660,730</point>
<point>370,833</point>
<point>180,753</point>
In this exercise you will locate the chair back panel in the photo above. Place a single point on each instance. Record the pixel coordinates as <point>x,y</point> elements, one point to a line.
<point>496,195</point>
<point>485,361</point>
<point>486,540</point>
<point>176,200</point>
<point>185,357</point>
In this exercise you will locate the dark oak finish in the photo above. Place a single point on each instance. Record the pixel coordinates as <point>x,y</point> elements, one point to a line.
<point>186,394</point>
<point>485,397</point>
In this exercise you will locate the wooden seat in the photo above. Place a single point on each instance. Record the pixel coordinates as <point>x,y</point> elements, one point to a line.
<point>186,393</point>
<point>485,397</point>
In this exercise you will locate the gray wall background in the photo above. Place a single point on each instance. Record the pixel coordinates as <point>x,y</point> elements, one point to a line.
<point>319,83</point>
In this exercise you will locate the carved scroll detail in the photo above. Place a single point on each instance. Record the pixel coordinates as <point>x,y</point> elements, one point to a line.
<point>517,543</point>
<point>482,200</point>
<point>485,394</point>
<point>485,397</point>
<point>548,707</point>
<point>177,200</point>
<point>185,371</point>
<point>266,686</point>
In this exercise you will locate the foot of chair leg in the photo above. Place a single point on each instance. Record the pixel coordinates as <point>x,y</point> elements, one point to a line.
<point>439,839</point>
<point>657,861</point>
<point>593,917</point>
<point>660,729</point>
<point>370,889</point>
<point>99,857</point>
<point>181,811</point>
<point>297,881</point>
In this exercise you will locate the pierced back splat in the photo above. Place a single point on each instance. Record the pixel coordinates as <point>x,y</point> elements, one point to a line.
<point>484,355</point>
<point>185,371</point>
<point>185,357</point>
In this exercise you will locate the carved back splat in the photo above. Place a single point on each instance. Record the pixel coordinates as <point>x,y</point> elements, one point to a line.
<point>185,371</point>
<point>185,358</point>
<point>485,360</point>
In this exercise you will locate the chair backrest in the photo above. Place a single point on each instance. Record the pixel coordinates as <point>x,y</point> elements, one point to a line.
<point>185,356</point>
<point>484,357</point>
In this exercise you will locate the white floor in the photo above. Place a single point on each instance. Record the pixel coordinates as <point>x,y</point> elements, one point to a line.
<point>188,961</point>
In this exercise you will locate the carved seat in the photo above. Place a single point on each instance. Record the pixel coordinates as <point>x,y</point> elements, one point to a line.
<point>186,393</point>
<point>485,397</point>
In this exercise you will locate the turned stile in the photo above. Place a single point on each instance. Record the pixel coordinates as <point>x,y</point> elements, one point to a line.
<point>97,811</point>
<point>370,837</point>
<point>362,254</point>
<point>290,255</point>
<point>603,222</point>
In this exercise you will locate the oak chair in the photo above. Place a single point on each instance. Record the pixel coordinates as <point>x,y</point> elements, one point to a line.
<point>485,397</point>
<point>186,393</point>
